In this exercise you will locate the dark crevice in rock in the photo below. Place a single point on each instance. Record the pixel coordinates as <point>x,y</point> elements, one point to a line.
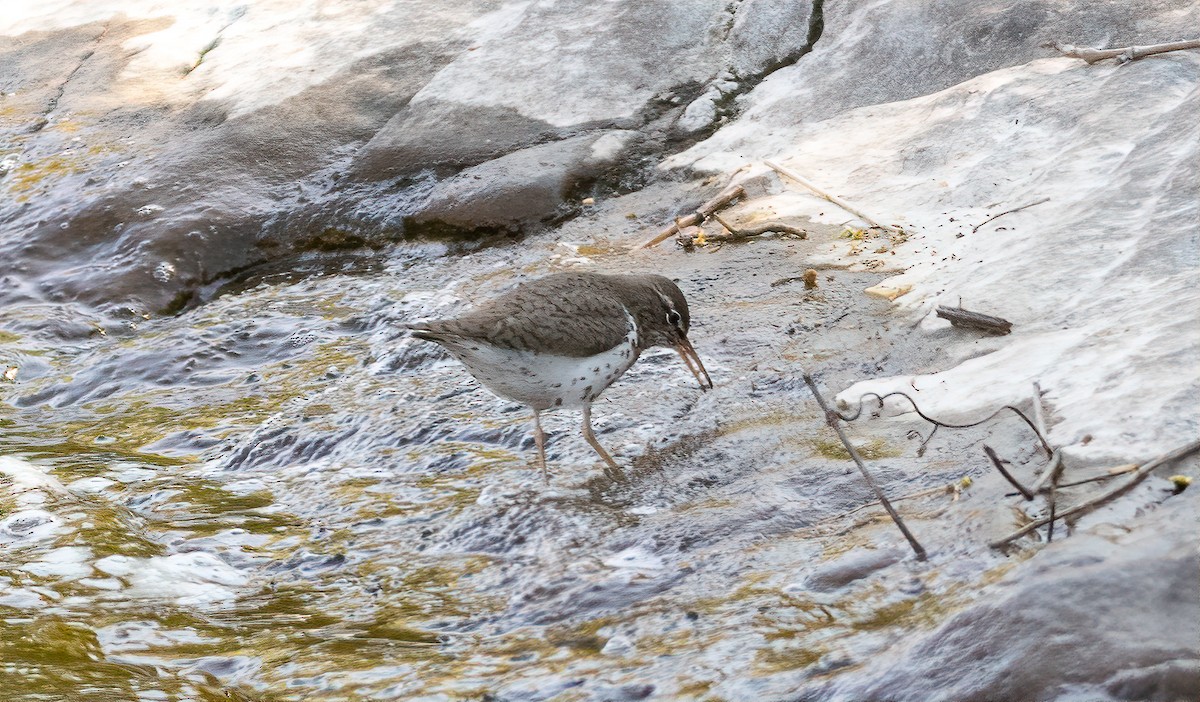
<point>816,25</point>
<point>236,15</point>
<point>52,103</point>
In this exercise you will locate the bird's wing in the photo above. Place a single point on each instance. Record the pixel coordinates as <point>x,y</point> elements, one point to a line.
<point>565,315</point>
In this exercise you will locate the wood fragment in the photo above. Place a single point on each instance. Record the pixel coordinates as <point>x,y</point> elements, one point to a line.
<point>1112,473</point>
<point>1004,472</point>
<point>950,489</point>
<point>852,209</point>
<point>702,213</point>
<point>832,419</point>
<point>1123,54</point>
<point>1052,467</point>
<point>974,320</point>
<point>738,233</point>
<point>1039,410</point>
<point>1006,212</point>
<point>1103,497</point>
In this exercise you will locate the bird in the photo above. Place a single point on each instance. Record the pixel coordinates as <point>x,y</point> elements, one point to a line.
<point>560,340</point>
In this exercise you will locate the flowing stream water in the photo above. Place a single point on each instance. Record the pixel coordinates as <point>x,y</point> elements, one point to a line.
<point>278,495</point>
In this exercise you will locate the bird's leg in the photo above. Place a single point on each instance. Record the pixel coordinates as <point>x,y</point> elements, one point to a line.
<point>612,470</point>
<point>539,438</point>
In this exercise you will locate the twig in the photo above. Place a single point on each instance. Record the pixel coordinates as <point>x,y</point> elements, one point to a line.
<point>1052,467</point>
<point>937,423</point>
<point>1112,473</point>
<point>1052,501</point>
<point>949,489</point>
<point>1125,54</point>
<point>832,198</point>
<point>747,232</point>
<point>975,320</point>
<point>1015,209</point>
<point>1039,410</point>
<point>831,418</point>
<point>1007,476</point>
<point>1055,471</point>
<point>702,213</point>
<point>1103,497</point>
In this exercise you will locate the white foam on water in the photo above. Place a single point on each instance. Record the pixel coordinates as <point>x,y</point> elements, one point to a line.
<point>142,635</point>
<point>90,485</point>
<point>21,598</point>
<point>634,558</point>
<point>195,578</point>
<point>65,563</point>
<point>27,483</point>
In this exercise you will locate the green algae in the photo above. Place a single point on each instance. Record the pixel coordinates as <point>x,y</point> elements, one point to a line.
<point>872,450</point>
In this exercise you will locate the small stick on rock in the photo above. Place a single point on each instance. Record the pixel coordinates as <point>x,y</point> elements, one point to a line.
<point>831,418</point>
<point>1039,410</point>
<point>1124,54</point>
<point>1007,476</point>
<point>1015,209</point>
<point>1053,467</point>
<point>1112,473</point>
<point>702,213</point>
<point>951,489</point>
<point>965,318</point>
<point>1103,497</point>
<point>832,198</point>
<point>736,234</point>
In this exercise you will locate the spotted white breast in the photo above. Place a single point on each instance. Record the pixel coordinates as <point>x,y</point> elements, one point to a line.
<point>546,381</point>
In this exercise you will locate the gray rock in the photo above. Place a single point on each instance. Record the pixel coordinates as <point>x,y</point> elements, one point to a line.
<point>1084,620</point>
<point>247,152</point>
<point>523,187</point>
<point>856,565</point>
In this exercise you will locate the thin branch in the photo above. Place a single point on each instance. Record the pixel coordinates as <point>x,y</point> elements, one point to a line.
<point>1052,501</point>
<point>852,209</point>
<point>702,213</point>
<point>1015,209</point>
<point>1052,467</point>
<point>831,418</point>
<point>1103,497</point>
<point>1007,476</point>
<point>756,230</point>
<point>949,489</point>
<point>1124,54</point>
<point>1112,473</point>
<point>1055,471</point>
<point>1039,410</point>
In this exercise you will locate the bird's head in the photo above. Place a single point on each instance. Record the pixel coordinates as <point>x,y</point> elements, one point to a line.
<point>662,317</point>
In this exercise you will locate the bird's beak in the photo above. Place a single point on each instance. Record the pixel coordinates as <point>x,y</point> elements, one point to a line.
<point>691,359</point>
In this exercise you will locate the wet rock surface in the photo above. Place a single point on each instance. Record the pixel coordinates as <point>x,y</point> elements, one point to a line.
<point>273,493</point>
<point>150,153</point>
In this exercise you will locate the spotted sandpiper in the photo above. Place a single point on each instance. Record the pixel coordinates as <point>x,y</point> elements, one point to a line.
<point>559,341</point>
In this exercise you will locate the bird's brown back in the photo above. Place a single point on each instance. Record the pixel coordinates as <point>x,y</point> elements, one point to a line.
<point>568,314</point>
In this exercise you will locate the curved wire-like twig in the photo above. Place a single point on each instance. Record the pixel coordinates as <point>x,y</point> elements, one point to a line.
<point>1032,426</point>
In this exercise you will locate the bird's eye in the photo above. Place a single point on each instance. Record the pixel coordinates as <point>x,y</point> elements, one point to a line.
<point>673,318</point>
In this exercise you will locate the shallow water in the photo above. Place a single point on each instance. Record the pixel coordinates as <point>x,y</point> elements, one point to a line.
<point>279,496</point>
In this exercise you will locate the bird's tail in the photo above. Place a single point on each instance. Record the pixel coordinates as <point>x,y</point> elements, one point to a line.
<point>426,331</point>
